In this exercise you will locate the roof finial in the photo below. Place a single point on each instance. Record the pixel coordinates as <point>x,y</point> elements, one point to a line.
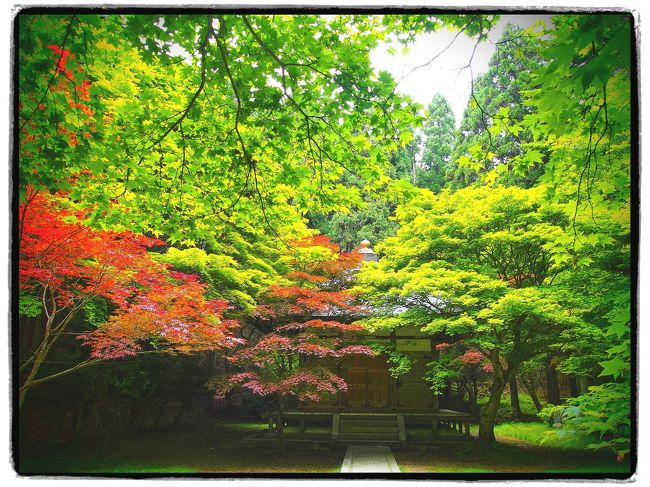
<point>367,254</point>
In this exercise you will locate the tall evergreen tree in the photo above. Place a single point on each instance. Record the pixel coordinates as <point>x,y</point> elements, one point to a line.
<point>438,145</point>
<point>497,97</point>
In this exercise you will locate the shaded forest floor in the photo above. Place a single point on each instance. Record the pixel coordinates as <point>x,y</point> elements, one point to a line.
<point>216,447</point>
<point>203,448</point>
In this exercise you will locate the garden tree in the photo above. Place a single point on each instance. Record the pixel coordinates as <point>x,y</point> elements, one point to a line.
<point>66,267</point>
<point>474,265</point>
<point>186,124</point>
<point>371,218</point>
<point>603,281</point>
<point>305,329</point>
<point>497,99</point>
<point>439,130</point>
<point>582,111</point>
<point>461,367</point>
<point>604,411</point>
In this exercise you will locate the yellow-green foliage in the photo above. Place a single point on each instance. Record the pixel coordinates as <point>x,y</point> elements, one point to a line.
<point>228,279</point>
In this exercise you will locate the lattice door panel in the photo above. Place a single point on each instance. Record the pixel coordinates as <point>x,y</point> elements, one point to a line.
<point>413,391</point>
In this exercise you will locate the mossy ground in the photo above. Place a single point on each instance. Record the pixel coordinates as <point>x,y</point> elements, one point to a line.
<point>217,448</point>
<point>521,448</point>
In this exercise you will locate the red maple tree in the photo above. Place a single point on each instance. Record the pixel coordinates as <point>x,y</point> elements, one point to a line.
<point>305,332</point>
<point>66,265</point>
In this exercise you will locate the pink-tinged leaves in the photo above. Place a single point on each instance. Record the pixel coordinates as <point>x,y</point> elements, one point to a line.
<point>70,264</point>
<point>471,357</point>
<point>284,361</point>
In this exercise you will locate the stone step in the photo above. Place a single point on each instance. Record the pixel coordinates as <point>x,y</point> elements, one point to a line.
<point>368,422</point>
<point>368,435</point>
<point>383,442</point>
<point>356,428</point>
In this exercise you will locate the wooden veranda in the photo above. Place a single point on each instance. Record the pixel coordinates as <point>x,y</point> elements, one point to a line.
<point>352,425</point>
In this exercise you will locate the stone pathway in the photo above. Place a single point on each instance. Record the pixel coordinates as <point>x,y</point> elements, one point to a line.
<point>369,459</point>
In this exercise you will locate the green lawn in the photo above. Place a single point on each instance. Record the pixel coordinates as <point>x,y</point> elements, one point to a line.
<point>540,434</point>
<point>520,448</point>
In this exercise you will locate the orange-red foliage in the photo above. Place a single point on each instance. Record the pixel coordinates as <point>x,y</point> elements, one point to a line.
<point>68,264</point>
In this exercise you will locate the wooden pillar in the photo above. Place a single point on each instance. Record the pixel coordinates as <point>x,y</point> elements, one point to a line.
<point>271,423</point>
<point>401,428</point>
<point>301,423</point>
<point>434,427</point>
<point>467,433</point>
<point>392,391</point>
<point>336,419</point>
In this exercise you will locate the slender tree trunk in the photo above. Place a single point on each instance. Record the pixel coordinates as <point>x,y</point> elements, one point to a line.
<point>134,412</point>
<point>39,358</point>
<point>514,398</point>
<point>179,413</point>
<point>77,420</point>
<point>583,385</point>
<point>50,334</point>
<point>489,411</point>
<point>533,395</point>
<point>552,386</point>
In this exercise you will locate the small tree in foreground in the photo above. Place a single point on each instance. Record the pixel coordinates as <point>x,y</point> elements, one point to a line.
<point>67,267</point>
<point>304,326</point>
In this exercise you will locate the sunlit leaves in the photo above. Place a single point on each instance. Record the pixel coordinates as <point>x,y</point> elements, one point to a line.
<point>72,267</point>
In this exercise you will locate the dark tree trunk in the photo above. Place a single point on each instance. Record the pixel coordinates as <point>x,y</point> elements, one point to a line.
<point>533,395</point>
<point>134,412</point>
<point>489,411</point>
<point>514,398</point>
<point>552,386</point>
<point>573,387</point>
<point>583,385</point>
<point>77,423</point>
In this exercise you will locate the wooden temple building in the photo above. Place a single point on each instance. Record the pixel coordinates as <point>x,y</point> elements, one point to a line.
<point>377,407</point>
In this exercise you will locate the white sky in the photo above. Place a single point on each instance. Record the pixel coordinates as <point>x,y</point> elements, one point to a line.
<point>445,74</point>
